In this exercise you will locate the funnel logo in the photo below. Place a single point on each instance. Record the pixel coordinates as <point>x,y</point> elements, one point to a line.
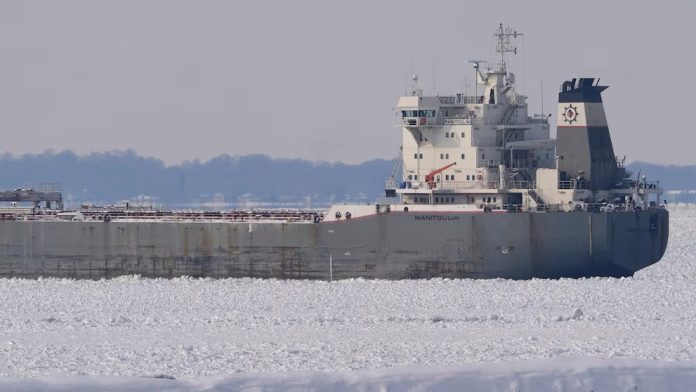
<point>571,114</point>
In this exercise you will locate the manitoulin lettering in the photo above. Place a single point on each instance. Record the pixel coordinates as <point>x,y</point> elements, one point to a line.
<point>437,217</point>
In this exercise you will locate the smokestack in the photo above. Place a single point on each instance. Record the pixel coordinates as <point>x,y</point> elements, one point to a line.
<point>583,142</point>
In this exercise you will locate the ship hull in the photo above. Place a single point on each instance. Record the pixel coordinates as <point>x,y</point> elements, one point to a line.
<point>396,245</point>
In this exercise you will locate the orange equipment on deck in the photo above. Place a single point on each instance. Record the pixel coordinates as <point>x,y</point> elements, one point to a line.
<point>430,177</point>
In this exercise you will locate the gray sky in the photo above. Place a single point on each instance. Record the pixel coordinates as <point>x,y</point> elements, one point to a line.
<point>318,79</point>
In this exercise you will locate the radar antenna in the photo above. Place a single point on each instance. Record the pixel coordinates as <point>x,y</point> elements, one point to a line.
<point>415,86</point>
<point>477,76</point>
<point>504,45</point>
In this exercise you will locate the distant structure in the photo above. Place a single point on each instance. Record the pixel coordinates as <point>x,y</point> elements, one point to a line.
<point>52,199</point>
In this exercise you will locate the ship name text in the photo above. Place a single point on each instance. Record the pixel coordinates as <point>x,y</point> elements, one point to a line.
<point>437,217</point>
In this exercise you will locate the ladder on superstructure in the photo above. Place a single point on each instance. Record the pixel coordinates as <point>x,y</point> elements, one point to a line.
<point>540,205</point>
<point>509,113</point>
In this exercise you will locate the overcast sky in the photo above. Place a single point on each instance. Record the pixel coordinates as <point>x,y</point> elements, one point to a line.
<point>319,80</point>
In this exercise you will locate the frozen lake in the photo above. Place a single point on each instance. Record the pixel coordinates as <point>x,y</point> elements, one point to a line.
<point>190,327</point>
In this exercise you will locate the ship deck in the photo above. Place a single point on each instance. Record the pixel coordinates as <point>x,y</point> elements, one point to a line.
<point>122,214</point>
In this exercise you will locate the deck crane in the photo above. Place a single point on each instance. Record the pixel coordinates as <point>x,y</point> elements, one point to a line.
<point>391,183</point>
<point>430,177</point>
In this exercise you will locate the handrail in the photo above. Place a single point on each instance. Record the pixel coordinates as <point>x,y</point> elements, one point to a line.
<point>520,184</point>
<point>574,184</point>
<point>484,185</point>
<point>466,185</point>
<point>577,207</point>
<point>460,99</point>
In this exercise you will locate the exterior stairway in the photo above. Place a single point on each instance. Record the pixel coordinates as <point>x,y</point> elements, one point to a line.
<point>507,116</point>
<point>537,201</point>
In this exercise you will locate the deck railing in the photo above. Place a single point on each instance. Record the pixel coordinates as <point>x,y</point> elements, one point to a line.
<point>573,184</point>
<point>460,100</point>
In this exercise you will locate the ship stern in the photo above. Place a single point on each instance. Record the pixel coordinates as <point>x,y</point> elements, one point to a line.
<point>638,239</point>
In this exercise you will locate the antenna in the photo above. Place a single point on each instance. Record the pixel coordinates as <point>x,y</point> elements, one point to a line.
<point>476,64</point>
<point>504,45</point>
<point>434,76</point>
<point>415,86</point>
<point>542,97</point>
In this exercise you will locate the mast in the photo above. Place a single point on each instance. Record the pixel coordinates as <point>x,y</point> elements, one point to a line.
<point>504,45</point>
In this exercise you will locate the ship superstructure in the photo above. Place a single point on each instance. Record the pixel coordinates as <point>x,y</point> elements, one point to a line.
<point>485,192</point>
<point>486,152</point>
<point>480,149</point>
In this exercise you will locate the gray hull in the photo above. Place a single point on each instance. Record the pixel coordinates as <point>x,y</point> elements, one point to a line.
<point>396,245</point>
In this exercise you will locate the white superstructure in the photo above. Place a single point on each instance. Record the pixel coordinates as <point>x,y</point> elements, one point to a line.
<point>473,146</point>
<point>485,152</point>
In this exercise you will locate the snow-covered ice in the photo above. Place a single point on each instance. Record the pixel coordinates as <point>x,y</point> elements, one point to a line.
<point>580,374</point>
<point>197,328</point>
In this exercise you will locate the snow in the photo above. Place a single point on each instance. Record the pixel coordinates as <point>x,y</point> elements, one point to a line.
<point>581,374</point>
<point>359,333</point>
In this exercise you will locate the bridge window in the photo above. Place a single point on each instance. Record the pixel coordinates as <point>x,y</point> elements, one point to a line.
<point>462,134</point>
<point>452,177</point>
<point>462,156</point>
<point>418,113</point>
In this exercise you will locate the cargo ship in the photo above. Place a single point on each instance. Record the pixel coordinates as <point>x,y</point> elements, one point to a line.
<point>482,191</point>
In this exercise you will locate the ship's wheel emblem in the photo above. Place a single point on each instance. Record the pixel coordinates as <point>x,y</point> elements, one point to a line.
<point>571,114</point>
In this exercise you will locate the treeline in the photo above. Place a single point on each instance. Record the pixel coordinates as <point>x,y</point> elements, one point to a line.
<point>124,175</point>
<point>112,177</point>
